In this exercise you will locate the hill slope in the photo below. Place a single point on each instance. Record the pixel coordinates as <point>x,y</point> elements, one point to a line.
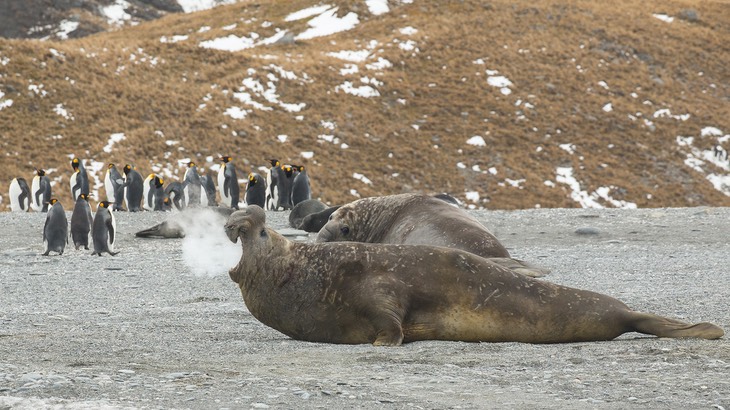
<point>553,104</point>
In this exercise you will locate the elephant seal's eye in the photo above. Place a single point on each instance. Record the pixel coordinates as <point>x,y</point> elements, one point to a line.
<point>345,230</point>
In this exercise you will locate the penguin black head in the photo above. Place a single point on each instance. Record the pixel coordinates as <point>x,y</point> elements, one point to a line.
<point>191,164</point>
<point>274,162</point>
<point>299,168</point>
<point>158,181</point>
<point>226,159</point>
<point>287,169</point>
<point>85,197</point>
<point>53,201</point>
<point>40,172</point>
<point>75,164</point>
<point>252,178</point>
<point>110,166</point>
<point>127,168</point>
<point>104,204</point>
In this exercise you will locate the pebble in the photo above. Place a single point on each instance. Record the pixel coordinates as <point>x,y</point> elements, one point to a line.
<point>587,231</point>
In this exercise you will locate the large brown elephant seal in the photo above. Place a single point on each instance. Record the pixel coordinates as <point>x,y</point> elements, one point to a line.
<point>391,294</point>
<point>415,219</point>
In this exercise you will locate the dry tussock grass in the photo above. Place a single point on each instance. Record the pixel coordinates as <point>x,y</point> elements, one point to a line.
<point>128,81</point>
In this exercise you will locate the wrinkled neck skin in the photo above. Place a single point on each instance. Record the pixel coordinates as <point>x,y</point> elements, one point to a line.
<point>252,266</point>
<point>369,215</point>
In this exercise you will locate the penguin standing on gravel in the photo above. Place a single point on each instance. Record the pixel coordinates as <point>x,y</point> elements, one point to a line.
<point>79,179</point>
<point>133,189</point>
<point>193,187</point>
<point>19,194</point>
<point>114,186</point>
<point>228,183</point>
<point>81,220</point>
<point>300,190</point>
<point>209,188</point>
<point>256,190</point>
<point>104,229</point>
<point>40,191</point>
<point>284,186</point>
<point>154,194</point>
<point>55,231</point>
<point>272,192</point>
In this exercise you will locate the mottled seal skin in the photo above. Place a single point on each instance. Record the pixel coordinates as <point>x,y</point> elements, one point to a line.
<point>415,219</point>
<point>391,294</point>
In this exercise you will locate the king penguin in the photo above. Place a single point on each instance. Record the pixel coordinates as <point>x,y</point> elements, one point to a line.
<point>79,179</point>
<point>256,190</point>
<point>41,191</point>
<point>81,221</point>
<point>228,183</point>
<point>272,193</point>
<point>300,190</point>
<point>19,194</point>
<point>55,231</point>
<point>284,186</point>
<point>174,192</point>
<point>154,194</point>
<point>209,188</point>
<point>193,187</point>
<point>114,186</point>
<point>133,189</point>
<point>104,229</point>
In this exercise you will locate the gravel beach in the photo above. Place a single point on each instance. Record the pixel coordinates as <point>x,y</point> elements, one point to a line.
<point>161,325</point>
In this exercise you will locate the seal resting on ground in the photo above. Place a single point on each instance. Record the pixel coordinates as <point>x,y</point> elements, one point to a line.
<point>391,294</point>
<point>415,219</point>
<point>206,218</point>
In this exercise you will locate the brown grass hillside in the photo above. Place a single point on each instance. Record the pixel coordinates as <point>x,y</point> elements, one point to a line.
<point>566,61</point>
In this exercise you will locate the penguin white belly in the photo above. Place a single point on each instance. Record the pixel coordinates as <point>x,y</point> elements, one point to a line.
<point>109,188</point>
<point>14,193</point>
<point>147,202</point>
<point>35,187</point>
<point>225,199</point>
<point>75,192</point>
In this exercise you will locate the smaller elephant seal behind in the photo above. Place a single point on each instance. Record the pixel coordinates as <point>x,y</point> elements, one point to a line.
<point>386,294</point>
<point>174,226</point>
<point>304,208</point>
<point>416,219</point>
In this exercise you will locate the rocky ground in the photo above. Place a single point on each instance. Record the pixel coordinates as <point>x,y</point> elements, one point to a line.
<point>154,328</point>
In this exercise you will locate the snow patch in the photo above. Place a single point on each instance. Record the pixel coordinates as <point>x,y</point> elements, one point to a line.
<point>663,17</point>
<point>328,23</point>
<point>477,141</point>
<point>363,178</point>
<point>113,139</point>
<point>564,175</point>
<point>364,91</point>
<point>352,56</point>
<point>377,7</point>
<point>191,6</point>
<point>499,81</point>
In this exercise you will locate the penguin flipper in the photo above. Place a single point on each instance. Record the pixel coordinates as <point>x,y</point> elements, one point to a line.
<point>110,227</point>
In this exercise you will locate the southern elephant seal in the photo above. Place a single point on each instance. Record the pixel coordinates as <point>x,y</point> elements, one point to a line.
<point>391,294</point>
<point>415,219</point>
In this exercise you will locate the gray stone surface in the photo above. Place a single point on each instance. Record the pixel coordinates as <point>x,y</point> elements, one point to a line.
<point>151,329</point>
